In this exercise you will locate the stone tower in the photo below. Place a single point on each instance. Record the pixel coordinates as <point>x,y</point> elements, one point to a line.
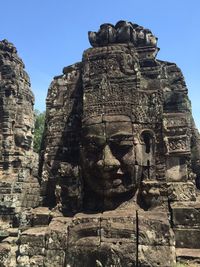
<point>119,130</point>
<point>19,187</point>
<point>120,75</point>
<point>119,165</point>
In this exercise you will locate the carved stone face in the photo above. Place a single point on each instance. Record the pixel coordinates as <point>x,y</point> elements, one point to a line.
<point>23,133</point>
<point>109,156</point>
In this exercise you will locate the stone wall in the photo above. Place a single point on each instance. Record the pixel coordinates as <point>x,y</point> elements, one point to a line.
<point>60,156</point>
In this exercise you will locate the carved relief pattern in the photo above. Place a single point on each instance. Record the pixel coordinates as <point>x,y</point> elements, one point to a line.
<point>179,145</point>
<point>176,121</point>
<point>110,95</point>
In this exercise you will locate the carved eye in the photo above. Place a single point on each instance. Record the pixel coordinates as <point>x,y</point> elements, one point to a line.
<point>121,147</point>
<point>93,145</point>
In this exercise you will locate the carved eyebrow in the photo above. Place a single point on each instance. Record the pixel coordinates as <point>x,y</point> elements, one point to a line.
<point>121,135</point>
<point>95,137</point>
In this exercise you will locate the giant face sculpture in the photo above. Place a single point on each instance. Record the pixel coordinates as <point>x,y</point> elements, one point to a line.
<point>109,156</point>
<point>23,132</point>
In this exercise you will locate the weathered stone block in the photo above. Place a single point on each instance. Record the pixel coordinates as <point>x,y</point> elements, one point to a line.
<point>118,254</point>
<point>23,261</point>
<point>37,261</point>
<point>40,216</point>
<point>189,257</point>
<point>3,234</point>
<point>83,256</point>
<point>13,232</point>
<point>84,227</point>
<point>57,234</point>
<point>54,258</point>
<point>154,229</point>
<point>186,214</point>
<point>32,241</point>
<point>4,254</point>
<point>180,191</point>
<point>11,240</point>
<point>11,260</point>
<point>107,254</point>
<point>25,249</point>
<point>118,225</point>
<point>156,256</point>
<point>176,170</point>
<point>187,238</point>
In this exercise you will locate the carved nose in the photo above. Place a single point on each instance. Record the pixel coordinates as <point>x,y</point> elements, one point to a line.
<point>108,159</point>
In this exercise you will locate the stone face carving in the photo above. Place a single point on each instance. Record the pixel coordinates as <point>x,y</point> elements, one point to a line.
<point>119,140</point>
<point>109,157</point>
<point>19,187</point>
<point>119,164</point>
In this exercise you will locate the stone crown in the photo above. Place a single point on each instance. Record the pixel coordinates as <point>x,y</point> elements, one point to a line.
<point>122,32</point>
<point>7,46</point>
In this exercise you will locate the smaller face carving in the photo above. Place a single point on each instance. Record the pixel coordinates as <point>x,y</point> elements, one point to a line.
<point>109,157</point>
<point>23,133</point>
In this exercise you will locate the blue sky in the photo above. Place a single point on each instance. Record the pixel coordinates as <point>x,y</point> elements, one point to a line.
<point>51,34</point>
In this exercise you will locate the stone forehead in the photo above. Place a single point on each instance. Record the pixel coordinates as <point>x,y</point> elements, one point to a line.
<point>108,127</point>
<point>106,119</point>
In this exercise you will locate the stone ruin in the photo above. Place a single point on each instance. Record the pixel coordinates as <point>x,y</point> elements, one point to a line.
<point>19,187</point>
<point>118,178</point>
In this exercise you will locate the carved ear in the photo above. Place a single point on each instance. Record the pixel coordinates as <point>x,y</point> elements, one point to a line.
<point>92,38</point>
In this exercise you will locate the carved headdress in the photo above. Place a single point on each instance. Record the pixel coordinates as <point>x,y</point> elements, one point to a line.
<point>113,72</point>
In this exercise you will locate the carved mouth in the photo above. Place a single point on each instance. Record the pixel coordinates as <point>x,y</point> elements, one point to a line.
<point>117,182</point>
<point>110,183</point>
<point>110,173</point>
<point>27,144</point>
<point>113,181</point>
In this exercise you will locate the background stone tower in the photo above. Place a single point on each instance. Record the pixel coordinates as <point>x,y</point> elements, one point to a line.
<point>19,187</point>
